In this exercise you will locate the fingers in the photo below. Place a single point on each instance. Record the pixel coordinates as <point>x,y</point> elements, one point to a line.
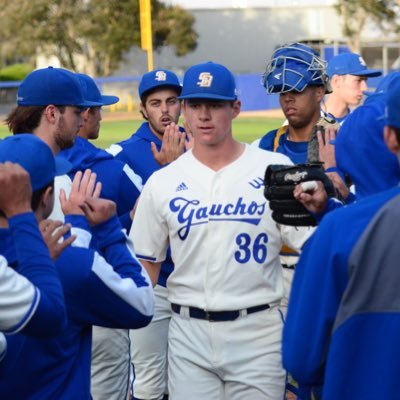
<point>155,152</point>
<point>53,232</point>
<point>98,210</point>
<point>63,199</point>
<point>97,190</point>
<point>67,242</point>
<point>189,135</point>
<point>91,184</point>
<point>76,181</point>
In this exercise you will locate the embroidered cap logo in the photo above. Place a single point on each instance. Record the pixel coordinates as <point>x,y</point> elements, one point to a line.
<point>362,62</point>
<point>161,76</point>
<point>205,79</point>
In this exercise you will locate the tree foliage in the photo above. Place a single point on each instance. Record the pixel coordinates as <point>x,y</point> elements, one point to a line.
<point>357,13</point>
<point>98,32</point>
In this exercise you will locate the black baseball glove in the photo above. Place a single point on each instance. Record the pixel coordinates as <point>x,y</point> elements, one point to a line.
<point>280,181</point>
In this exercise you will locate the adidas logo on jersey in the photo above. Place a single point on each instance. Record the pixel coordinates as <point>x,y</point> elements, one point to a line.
<point>181,187</point>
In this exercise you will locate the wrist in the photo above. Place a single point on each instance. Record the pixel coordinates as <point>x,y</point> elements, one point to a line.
<point>17,209</point>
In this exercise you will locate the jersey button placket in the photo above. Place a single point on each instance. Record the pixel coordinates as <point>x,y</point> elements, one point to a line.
<point>214,247</point>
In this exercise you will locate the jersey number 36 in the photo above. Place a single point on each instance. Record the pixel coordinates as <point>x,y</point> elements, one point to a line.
<point>248,249</point>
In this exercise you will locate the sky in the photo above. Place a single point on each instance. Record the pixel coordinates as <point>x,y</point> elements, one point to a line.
<point>198,4</point>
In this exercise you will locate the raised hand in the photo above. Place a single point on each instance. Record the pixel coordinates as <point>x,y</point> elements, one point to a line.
<point>325,148</point>
<point>189,136</point>
<point>52,232</point>
<point>98,210</point>
<point>173,145</point>
<point>84,186</point>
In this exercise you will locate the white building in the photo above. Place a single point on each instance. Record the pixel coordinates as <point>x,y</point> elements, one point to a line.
<point>242,34</point>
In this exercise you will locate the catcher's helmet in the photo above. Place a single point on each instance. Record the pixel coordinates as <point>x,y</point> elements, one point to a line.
<point>294,66</point>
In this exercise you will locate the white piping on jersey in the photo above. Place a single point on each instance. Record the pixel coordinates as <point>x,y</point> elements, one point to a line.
<point>125,288</point>
<point>135,178</point>
<point>114,149</point>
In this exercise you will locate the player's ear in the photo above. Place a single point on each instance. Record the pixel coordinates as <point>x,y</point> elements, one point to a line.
<point>236,108</point>
<point>320,92</point>
<point>143,111</point>
<point>392,139</point>
<point>50,114</point>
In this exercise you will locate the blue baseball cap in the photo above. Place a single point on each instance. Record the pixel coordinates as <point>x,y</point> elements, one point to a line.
<point>91,92</point>
<point>392,111</point>
<point>50,85</point>
<point>34,155</point>
<point>350,64</point>
<point>209,81</point>
<point>157,79</point>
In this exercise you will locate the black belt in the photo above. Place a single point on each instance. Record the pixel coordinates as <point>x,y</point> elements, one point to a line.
<point>218,315</point>
<point>289,266</point>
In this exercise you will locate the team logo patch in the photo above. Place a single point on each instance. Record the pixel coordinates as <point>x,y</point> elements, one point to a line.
<point>161,76</point>
<point>205,79</point>
<point>362,62</point>
<point>181,187</point>
<point>296,177</point>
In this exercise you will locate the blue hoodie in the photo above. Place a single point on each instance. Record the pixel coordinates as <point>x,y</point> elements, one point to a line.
<point>136,152</point>
<point>112,291</point>
<point>361,151</point>
<point>348,343</point>
<point>119,183</point>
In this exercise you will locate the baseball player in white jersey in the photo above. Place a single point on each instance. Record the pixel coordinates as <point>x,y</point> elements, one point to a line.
<point>208,205</point>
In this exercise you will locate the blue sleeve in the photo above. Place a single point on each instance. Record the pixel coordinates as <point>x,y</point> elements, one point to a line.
<point>35,264</point>
<point>126,221</point>
<point>111,291</point>
<point>128,193</point>
<point>267,141</point>
<point>319,282</point>
<point>331,205</point>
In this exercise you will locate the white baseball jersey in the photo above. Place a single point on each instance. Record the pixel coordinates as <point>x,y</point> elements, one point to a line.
<point>224,243</point>
<point>60,182</point>
<point>19,301</point>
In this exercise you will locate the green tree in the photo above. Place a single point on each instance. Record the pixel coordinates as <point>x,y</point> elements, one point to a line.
<point>357,13</point>
<point>95,32</point>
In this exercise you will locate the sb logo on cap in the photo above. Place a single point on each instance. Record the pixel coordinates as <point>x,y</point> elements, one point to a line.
<point>205,79</point>
<point>161,76</point>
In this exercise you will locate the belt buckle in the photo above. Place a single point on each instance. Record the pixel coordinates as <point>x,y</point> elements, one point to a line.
<point>207,316</point>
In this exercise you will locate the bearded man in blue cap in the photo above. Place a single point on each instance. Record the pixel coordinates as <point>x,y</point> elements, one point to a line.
<point>50,103</point>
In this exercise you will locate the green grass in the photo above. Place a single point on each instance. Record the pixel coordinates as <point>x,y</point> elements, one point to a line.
<point>245,129</point>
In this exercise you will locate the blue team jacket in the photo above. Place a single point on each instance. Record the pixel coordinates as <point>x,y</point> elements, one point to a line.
<point>361,152</point>
<point>119,182</point>
<point>108,290</point>
<point>48,315</point>
<point>343,320</point>
<point>136,152</point>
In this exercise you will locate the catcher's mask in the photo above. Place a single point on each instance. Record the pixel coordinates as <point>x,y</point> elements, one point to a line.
<point>293,67</point>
